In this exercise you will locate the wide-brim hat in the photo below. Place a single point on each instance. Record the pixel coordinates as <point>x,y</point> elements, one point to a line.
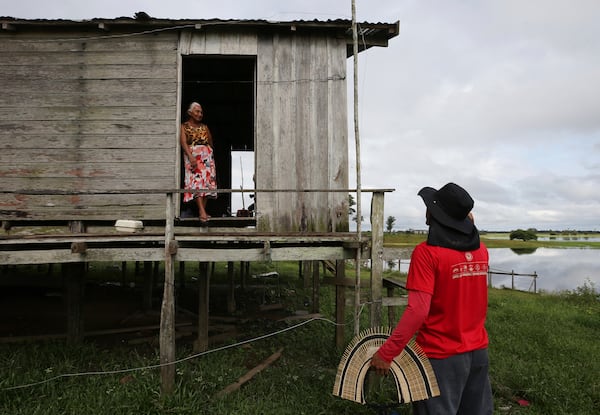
<point>450,206</point>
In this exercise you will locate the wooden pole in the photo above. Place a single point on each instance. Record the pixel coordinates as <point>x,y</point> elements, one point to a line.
<point>340,304</point>
<point>167,313</point>
<point>376,258</point>
<point>231,288</point>
<point>148,285</point>
<point>315,287</point>
<point>75,283</point>
<point>358,181</point>
<point>201,344</point>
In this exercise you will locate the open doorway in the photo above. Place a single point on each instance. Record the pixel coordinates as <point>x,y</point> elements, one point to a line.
<point>225,87</point>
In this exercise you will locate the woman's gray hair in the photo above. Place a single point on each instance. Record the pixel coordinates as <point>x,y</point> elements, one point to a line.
<point>191,107</point>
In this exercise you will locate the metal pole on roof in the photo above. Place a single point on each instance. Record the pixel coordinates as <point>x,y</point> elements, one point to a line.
<point>358,182</point>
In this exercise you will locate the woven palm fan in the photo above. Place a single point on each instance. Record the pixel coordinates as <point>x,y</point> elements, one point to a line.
<point>412,372</point>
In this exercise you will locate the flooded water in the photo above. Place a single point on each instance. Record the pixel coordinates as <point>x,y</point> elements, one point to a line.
<point>556,268</point>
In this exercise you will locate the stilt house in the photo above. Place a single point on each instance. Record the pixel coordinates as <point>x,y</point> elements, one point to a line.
<point>90,114</point>
<point>95,106</point>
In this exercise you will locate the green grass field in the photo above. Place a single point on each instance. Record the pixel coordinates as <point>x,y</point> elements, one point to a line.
<point>544,352</point>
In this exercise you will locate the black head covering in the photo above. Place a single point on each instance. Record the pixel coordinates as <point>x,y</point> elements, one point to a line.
<point>449,223</point>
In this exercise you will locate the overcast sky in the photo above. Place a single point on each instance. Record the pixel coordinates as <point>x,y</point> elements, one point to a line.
<point>499,96</point>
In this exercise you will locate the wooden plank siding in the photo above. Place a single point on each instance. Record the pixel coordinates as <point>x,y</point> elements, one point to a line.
<point>87,114</point>
<point>301,138</point>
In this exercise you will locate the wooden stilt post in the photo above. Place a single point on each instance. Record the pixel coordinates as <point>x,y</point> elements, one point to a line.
<point>340,304</point>
<point>306,273</point>
<point>123,274</point>
<point>74,289</point>
<point>231,290</point>
<point>75,283</point>
<point>316,287</point>
<point>182,274</point>
<point>376,258</point>
<point>201,343</point>
<point>243,274</point>
<point>148,285</point>
<point>167,313</point>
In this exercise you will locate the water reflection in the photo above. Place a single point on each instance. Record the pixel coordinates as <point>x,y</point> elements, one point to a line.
<point>557,269</point>
<point>523,251</point>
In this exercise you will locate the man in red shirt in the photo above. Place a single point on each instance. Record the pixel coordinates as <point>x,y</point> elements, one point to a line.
<point>447,305</point>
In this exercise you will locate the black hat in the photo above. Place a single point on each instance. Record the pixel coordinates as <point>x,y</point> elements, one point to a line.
<point>450,206</point>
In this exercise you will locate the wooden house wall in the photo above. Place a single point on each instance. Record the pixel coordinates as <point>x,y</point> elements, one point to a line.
<point>87,114</point>
<point>102,114</point>
<point>302,140</point>
<point>301,124</point>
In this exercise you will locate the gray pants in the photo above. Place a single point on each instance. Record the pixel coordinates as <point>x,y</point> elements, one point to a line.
<point>464,386</point>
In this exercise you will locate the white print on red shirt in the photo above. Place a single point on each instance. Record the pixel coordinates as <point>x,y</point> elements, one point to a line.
<point>469,268</point>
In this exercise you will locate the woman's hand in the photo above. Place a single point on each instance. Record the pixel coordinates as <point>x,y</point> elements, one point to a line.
<point>193,161</point>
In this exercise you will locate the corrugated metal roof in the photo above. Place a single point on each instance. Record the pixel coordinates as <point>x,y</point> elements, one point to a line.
<point>370,34</point>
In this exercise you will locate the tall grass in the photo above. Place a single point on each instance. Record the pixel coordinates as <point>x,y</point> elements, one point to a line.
<point>544,350</point>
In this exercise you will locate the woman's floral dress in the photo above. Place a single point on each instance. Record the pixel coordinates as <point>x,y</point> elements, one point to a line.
<point>205,174</point>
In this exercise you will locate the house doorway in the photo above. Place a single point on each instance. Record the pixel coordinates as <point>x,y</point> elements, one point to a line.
<point>225,87</point>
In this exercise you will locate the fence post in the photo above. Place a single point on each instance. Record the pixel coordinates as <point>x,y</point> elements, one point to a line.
<point>512,274</point>
<point>534,282</point>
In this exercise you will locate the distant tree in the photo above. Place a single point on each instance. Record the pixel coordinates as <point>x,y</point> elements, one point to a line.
<point>389,223</point>
<point>524,235</point>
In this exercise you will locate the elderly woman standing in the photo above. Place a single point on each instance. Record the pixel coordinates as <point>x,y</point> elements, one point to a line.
<point>200,171</point>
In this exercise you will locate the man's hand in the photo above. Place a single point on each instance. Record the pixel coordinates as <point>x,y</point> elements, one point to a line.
<point>381,366</point>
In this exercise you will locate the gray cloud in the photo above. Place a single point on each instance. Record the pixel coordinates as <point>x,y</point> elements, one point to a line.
<point>501,97</point>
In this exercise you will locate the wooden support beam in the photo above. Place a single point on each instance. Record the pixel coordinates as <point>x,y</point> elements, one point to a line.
<point>340,305</point>
<point>167,312</point>
<point>394,301</point>
<point>75,283</point>
<point>231,288</point>
<point>315,287</point>
<point>148,285</point>
<point>306,273</point>
<point>376,257</point>
<point>201,343</point>
<point>74,280</point>
<point>78,247</point>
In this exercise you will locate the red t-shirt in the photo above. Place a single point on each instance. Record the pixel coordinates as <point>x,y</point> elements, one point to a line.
<point>457,281</point>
